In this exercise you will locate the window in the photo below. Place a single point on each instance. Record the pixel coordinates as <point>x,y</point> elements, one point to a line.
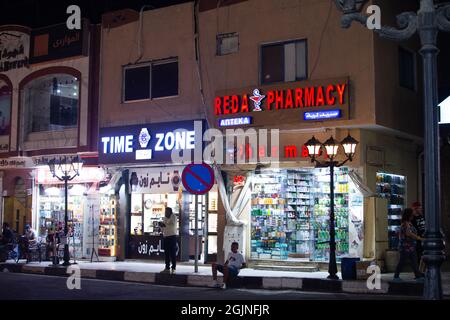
<point>137,83</point>
<point>151,80</point>
<point>284,62</point>
<point>227,43</point>
<point>5,108</point>
<point>407,68</point>
<point>51,103</point>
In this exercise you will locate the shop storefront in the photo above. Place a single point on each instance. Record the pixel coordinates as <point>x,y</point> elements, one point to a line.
<point>151,181</point>
<point>90,213</point>
<point>290,215</point>
<point>286,216</point>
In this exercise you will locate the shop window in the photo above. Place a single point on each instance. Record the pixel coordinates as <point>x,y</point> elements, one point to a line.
<point>165,79</point>
<point>290,215</point>
<point>284,62</point>
<point>151,80</point>
<point>50,103</point>
<point>407,68</point>
<point>227,43</point>
<point>5,108</point>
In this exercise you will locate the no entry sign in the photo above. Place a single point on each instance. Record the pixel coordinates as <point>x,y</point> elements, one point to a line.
<point>198,178</point>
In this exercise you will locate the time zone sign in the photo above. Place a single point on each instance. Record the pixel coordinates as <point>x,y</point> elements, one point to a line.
<point>153,142</point>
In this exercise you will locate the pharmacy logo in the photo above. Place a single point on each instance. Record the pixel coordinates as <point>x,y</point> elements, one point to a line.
<point>257,98</point>
<point>144,138</point>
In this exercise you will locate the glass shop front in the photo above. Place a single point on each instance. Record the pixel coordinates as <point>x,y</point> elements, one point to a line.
<point>290,215</point>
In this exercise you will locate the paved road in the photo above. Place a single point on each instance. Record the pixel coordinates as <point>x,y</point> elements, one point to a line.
<point>18,286</point>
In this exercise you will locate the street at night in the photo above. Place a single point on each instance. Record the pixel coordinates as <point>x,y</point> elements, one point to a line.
<point>55,288</point>
<point>225,150</point>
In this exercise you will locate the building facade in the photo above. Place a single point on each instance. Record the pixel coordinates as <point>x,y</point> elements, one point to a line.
<point>49,94</point>
<point>150,106</point>
<point>314,79</point>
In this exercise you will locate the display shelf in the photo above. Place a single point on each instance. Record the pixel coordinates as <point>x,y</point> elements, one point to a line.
<point>393,188</point>
<point>108,226</point>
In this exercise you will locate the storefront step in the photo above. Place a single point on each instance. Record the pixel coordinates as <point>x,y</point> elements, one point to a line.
<point>287,268</point>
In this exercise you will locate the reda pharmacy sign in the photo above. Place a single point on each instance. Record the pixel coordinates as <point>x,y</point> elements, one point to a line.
<point>304,101</point>
<point>148,143</point>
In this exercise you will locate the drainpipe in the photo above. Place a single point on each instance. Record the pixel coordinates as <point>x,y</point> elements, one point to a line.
<point>140,42</point>
<point>419,177</point>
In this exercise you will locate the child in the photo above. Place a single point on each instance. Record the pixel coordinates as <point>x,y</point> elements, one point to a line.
<point>234,263</point>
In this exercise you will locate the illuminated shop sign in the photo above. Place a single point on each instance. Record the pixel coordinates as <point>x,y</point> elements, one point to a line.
<point>146,143</point>
<point>320,96</point>
<point>14,47</point>
<point>235,122</point>
<point>322,115</point>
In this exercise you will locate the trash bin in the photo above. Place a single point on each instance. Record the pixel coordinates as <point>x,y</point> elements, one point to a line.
<point>348,268</point>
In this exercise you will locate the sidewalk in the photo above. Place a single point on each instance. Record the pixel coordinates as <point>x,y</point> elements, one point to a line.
<point>148,272</point>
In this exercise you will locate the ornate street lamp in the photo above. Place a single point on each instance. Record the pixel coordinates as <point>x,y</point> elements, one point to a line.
<point>332,148</point>
<point>65,169</point>
<point>428,21</point>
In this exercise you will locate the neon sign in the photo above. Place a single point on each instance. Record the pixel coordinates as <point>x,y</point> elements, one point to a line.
<point>319,96</point>
<point>152,142</point>
<point>235,122</point>
<point>322,115</point>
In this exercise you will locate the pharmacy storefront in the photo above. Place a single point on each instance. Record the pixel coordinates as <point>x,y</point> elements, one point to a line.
<point>286,208</point>
<point>290,214</point>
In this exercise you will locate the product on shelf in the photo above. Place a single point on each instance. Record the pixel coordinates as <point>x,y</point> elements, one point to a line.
<point>108,226</point>
<point>393,188</point>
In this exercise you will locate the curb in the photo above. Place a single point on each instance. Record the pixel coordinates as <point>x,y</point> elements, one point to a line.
<point>406,288</point>
<point>266,283</point>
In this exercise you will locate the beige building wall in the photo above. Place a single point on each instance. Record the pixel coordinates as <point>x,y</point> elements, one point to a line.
<point>166,33</point>
<point>397,107</point>
<point>332,52</point>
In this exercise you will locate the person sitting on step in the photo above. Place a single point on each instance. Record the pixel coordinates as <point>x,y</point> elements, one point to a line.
<point>234,263</point>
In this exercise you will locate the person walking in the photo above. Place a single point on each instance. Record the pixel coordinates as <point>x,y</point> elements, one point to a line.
<point>408,245</point>
<point>418,223</point>
<point>169,230</point>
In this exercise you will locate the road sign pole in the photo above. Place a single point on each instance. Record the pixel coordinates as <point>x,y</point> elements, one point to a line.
<point>196,233</point>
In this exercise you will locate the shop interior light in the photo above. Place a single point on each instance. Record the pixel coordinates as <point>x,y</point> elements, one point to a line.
<point>313,145</point>
<point>349,145</point>
<point>332,146</point>
<point>444,107</point>
<point>53,191</point>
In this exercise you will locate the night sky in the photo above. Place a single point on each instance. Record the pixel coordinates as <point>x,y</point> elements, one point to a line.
<point>38,13</point>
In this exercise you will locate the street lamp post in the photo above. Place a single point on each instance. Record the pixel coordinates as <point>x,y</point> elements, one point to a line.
<point>65,169</point>
<point>428,21</point>
<point>332,147</point>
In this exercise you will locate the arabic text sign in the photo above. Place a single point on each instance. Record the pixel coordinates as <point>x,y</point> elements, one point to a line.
<point>16,163</point>
<point>14,48</point>
<point>198,178</point>
<point>87,174</point>
<point>155,180</point>
<point>58,42</point>
<point>322,115</point>
<point>148,247</point>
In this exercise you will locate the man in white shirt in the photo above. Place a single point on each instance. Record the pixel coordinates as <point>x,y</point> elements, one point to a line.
<point>234,263</point>
<point>169,230</point>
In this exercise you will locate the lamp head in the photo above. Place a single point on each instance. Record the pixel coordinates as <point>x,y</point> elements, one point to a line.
<point>349,144</point>
<point>313,145</point>
<point>51,165</point>
<point>332,147</point>
<point>77,164</point>
<point>349,6</point>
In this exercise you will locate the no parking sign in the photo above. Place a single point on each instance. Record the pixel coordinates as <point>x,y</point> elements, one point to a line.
<point>198,178</point>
